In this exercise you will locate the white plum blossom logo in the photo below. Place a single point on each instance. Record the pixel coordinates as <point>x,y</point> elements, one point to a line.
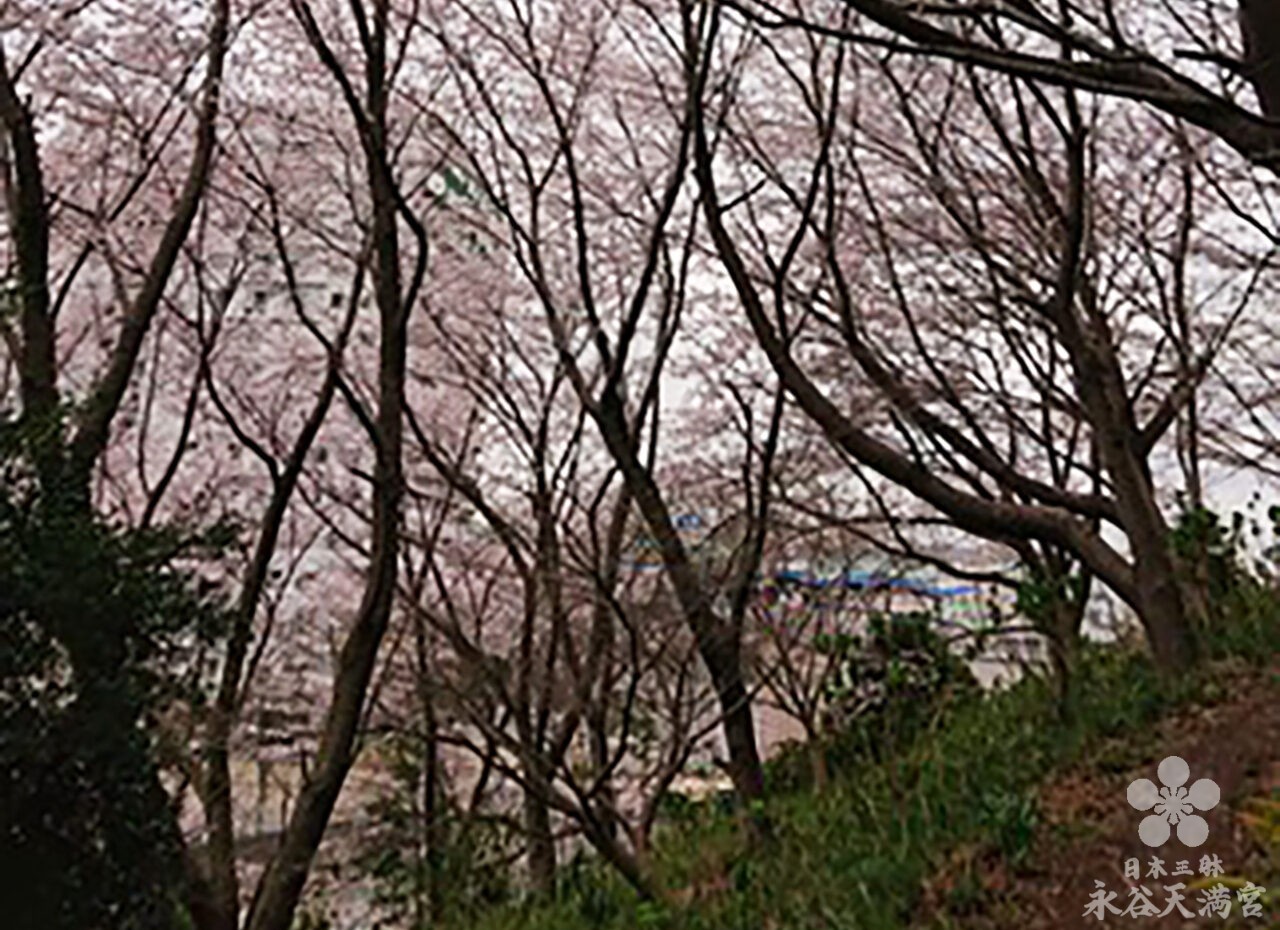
<point>1174,804</point>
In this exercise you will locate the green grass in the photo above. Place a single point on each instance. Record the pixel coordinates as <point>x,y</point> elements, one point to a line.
<point>857,856</point>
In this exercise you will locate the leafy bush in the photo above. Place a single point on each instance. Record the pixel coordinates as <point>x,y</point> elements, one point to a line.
<point>99,629</point>
<point>891,680</point>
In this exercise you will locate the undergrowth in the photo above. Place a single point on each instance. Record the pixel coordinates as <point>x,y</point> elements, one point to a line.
<point>857,856</point>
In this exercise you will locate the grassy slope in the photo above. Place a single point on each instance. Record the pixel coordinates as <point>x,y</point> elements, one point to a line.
<point>859,855</point>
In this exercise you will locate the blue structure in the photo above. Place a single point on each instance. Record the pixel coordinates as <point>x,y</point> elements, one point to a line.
<point>869,581</point>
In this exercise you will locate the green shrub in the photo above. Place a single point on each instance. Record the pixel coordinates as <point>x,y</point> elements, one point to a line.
<point>101,627</point>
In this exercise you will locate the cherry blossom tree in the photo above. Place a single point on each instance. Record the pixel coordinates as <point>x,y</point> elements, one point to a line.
<point>1033,282</point>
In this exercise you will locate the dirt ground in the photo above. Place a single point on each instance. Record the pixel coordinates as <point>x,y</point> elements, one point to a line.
<point>1087,828</point>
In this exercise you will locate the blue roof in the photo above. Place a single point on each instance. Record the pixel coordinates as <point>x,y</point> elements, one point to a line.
<point>856,579</point>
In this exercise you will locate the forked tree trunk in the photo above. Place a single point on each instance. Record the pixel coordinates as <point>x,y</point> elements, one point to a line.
<point>1164,608</point>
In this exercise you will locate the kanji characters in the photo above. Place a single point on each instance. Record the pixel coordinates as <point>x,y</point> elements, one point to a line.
<point>1176,897</point>
<point>1211,865</point>
<point>1248,897</point>
<point>1140,903</point>
<point>1100,902</point>
<point>1213,901</point>
<point>1216,898</point>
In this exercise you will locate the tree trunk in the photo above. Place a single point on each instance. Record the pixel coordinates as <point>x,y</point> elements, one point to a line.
<point>280,888</point>
<point>738,724</point>
<point>744,765</point>
<point>1163,607</point>
<point>541,856</point>
<point>717,642</point>
<point>223,905</point>
<point>1260,36</point>
<point>1165,611</point>
<point>817,760</point>
<point>1064,651</point>
<point>599,741</point>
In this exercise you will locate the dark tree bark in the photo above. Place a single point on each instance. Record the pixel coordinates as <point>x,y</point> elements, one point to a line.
<point>280,889</point>
<point>1024,509</point>
<point>541,855</point>
<point>1260,36</point>
<point>65,467</point>
<point>1114,68</point>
